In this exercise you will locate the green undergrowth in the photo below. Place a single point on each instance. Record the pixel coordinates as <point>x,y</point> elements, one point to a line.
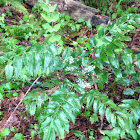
<point>90,61</point>
<point>109,6</point>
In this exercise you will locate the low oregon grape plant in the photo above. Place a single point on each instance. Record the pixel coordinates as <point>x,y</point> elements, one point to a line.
<point>90,74</point>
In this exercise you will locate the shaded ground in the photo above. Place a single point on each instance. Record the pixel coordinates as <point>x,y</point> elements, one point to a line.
<point>22,121</point>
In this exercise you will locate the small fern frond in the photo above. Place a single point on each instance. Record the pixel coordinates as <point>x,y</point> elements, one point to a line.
<point>16,5</point>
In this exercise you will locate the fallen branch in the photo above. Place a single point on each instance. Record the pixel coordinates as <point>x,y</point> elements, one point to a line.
<point>76,9</point>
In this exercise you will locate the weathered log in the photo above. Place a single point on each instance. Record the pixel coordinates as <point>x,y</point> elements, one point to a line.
<point>76,9</point>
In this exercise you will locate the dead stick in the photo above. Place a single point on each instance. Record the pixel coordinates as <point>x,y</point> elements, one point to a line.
<point>21,101</point>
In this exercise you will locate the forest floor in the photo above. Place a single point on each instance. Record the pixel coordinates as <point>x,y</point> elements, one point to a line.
<point>22,121</point>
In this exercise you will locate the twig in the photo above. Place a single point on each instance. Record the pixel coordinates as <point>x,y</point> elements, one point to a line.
<point>21,101</point>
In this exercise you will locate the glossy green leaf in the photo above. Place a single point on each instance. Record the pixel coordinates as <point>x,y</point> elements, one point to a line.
<point>99,64</point>
<point>137,89</point>
<point>123,135</point>
<point>105,77</point>
<point>113,133</point>
<point>57,27</point>
<point>89,101</point>
<point>103,57</point>
<point>136,114</point>
<point>55,17</point>
<point>1,89</point>
<point>110,25</point>
<point>1,114</point>
<point>33,133</point>
<point>1,96</point>
<point>8,86</point>
<point>108,114</point>
<point>124,82</point>
<point>68,111</point>
<point>47,18</point>
<point>125,106</point>
<point>96,106</point>
<point>32,108</point>
<point>64,120</point>
<point>114,61</point>
<point>134,134</point>
<point>100,31</point>
<point>85,61</point>
<point>59,128</point>
<point>60,50</point>
<point>121,122</point>
<point>52,8</point>
<point>66,54</point>
<point>114,15</point>
<point>131,27</point>
<point>77,133</point>
<point>2,59</point>
<point>88,23</point>
<point>93,42</point>
<point>47,26</point>
<point>86,113</point>
<point>136,77</point>
<point>80,20</point>
<point>125,38</point>
<point>107,39</point>
<point>138,64</point>
<point>116,132</point>
<point>28,62</point>
<point>117,73</point>
<point>127,58</point>
<point>116,31</point>
<point>55,38</point>
<point>133,23</point>
<point>113,119</point>
<point>94,118</point>
<point>37,63</point>
<point>19,136</point>
<point>46,122</point>
<point>98,52</point>
<point>46,61</point>
<point>17,64</point>
<point>122,114</point>
<point>108,132</point>
<point>53,49</point>
<point>138,131</point>
<point>78,26</point>
<point>137,20</point>
<point>119,43</point>
<point>100,84</point>
<point>131,102</point>
<point>102,109</point>
<point>4,132</point>
<point>9,71</point>
<point>49,133</point>
<point>75,102</point>
<point>109,52</point>
<point>131,70</point>
<point>128,91</point>
<point>61,92</point>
